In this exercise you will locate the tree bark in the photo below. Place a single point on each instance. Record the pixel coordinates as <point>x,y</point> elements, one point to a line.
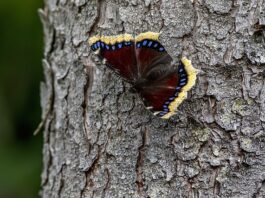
<point>100,141</point>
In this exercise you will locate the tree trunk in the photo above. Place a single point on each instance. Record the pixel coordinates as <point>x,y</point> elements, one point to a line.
<point>100,141</point>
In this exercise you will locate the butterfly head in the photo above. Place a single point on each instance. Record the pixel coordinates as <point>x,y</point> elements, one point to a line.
<point>139,85</point>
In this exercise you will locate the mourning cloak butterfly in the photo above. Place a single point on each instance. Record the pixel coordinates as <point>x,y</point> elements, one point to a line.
<point>143,62</point>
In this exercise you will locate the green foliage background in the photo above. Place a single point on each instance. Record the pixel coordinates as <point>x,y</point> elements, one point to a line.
<point>20,75</point>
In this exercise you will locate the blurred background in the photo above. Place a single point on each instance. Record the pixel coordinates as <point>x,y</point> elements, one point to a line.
<point>20,75</point>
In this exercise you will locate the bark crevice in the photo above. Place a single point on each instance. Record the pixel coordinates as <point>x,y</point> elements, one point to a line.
<point>139,166</point>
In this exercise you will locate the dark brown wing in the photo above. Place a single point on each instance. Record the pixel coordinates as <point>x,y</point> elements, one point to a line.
<point>118,52</point>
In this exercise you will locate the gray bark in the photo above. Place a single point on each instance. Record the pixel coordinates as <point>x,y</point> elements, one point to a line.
<point>100,141</point>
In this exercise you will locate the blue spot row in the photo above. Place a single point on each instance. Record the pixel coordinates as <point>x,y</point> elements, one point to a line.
<point>183,76</point>
<point>183,79</point>
<point>162,113</point>
<point>145,43</point>
<point>150,44</point>
<point>181,69</point>
<point>102,45</point>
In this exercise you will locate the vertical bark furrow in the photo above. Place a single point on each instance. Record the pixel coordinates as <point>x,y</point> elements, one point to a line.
<point>139,171</point>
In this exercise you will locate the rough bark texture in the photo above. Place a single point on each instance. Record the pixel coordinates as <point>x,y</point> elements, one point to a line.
<point>100,141</point>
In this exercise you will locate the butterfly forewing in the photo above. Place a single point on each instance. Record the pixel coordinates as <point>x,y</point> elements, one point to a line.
<point>149,52</point>
<point>118,52</point>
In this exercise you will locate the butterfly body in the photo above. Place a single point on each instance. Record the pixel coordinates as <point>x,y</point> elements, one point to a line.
<point>144,63</point>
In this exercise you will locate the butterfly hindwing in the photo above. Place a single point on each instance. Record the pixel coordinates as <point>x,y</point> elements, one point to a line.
<point>157,93</point>
<point>118,53</point>
<point>164,97</point>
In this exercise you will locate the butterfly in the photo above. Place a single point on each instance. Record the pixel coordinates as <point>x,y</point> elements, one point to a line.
<point>144,63</point>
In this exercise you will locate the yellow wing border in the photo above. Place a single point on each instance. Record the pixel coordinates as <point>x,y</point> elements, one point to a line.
<point>147,35</point>
<point>110,40</point>
<point>191,80</point>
